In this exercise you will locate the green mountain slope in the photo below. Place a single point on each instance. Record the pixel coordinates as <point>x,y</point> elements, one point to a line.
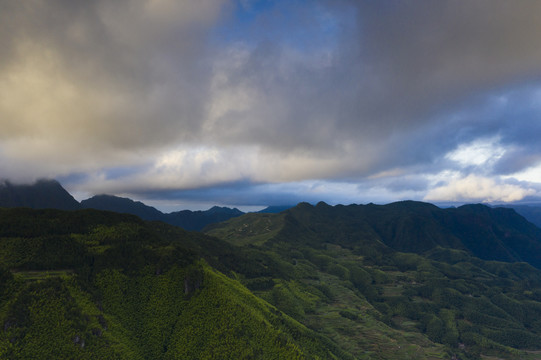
<point>313,282</point>
<point>109,286</point>
<point>443,294</point>
<point>488,233</point>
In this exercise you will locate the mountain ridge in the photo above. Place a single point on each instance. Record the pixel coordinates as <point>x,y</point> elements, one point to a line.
<point>122,205</point>
<point>49,194</point>
<point>498,234</point>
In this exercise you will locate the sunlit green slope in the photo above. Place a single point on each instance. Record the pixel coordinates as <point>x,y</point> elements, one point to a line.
<point>95,285</point>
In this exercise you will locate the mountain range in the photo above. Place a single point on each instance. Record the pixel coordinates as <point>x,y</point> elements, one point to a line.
<point>49,194</point>
<point>498,234</point>
<point>406,280</point>
<point>186,219</point>
<point>311,282</point>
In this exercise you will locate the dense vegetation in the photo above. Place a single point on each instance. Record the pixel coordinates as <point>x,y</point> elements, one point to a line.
<point>441,288</point>
<point>406,281</point>
<point>98,285</point>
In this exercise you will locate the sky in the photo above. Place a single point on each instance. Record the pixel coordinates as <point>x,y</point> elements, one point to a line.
<point>249,103</point>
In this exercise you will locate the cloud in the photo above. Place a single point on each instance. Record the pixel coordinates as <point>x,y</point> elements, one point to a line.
<point>397,79</point>
<point>248,194</point>
<point>475,188</point>
<point>84,83</point>
<point>189,95</point>
<point>477,153</point>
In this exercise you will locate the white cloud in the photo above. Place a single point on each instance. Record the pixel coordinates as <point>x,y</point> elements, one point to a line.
<point>475,188</point>
<point>531,174</point>
<point>478,152</point>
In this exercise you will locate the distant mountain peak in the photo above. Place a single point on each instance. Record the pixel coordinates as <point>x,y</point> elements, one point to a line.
<point>122,205</point>
<point>221,209</point>
<point>273,209</point>
<point>304,205</point>
<point>322,204</point>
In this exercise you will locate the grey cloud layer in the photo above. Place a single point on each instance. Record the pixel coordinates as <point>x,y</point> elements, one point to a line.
<point>119,75</point>
<point>338,90</point>
<point>400,75</point>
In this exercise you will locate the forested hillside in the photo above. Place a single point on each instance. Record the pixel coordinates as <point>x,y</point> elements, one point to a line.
<point>313,282</point>
<point>487,233</point>
<point>100,285</point>
<point>423,270</point>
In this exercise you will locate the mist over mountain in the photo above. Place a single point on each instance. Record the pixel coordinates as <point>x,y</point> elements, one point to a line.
<point>40,195</point>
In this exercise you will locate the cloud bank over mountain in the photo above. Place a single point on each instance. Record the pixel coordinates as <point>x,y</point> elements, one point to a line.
<point>255,101</point>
